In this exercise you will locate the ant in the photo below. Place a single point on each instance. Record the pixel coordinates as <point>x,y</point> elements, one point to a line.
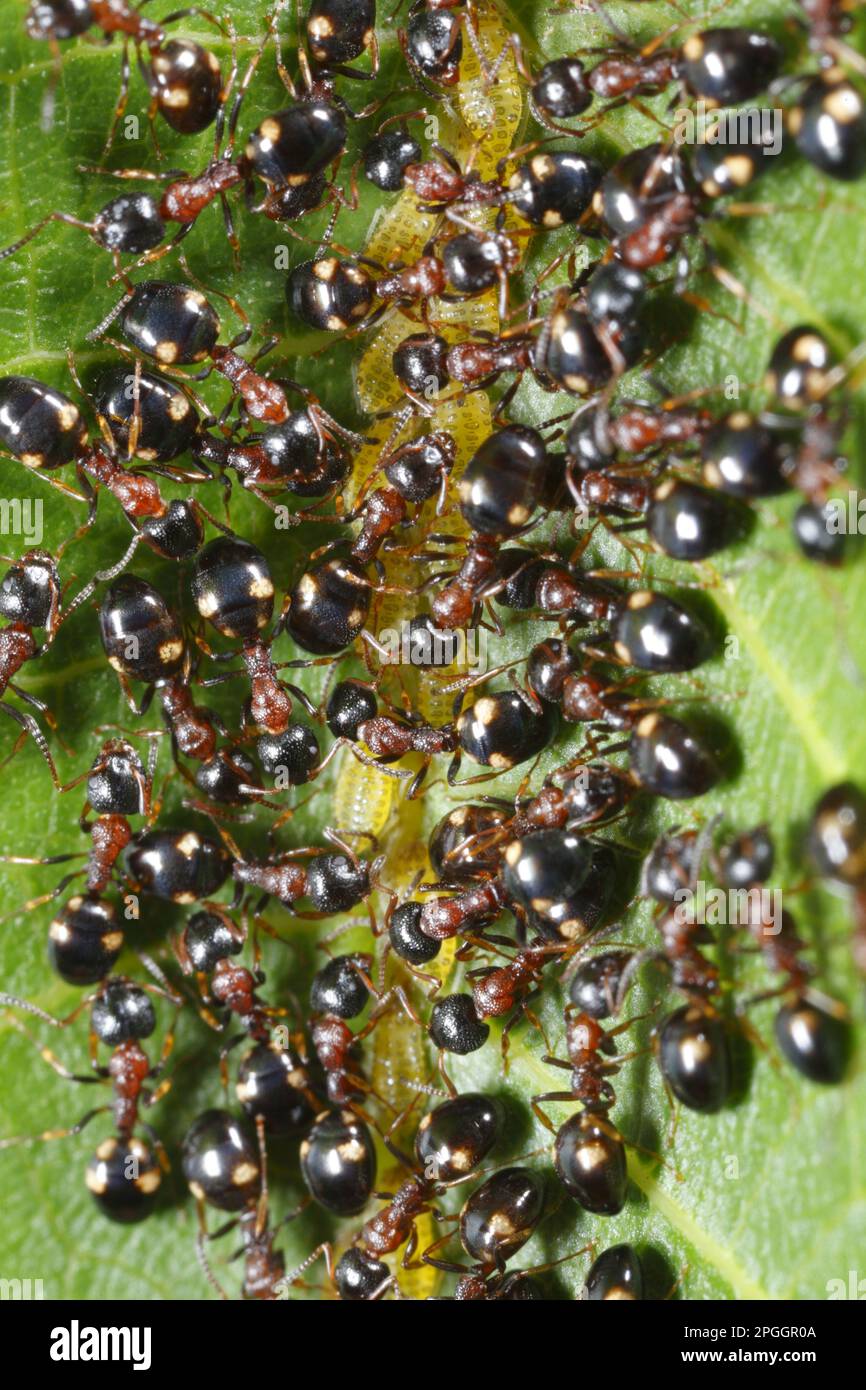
<point>828,117</point>
<point>497,1219</point>
<point>174,324</point>
<point>143,640</point>
<point>340,991</point>
<point>284,152</point>
<point>123,1176</point>
<point>810,1028</point>
<point>30,598</point>
<point>432,44</point>
<point>184,79</point>
<point>233,589</point>
<point>226,1170</point>
<point>43,430</point>
<point>589,1152</point>
<point>336,295</point>
<point>691,1044</point>
<point>450,1144</point>
<point>723,67</point>
<point>273,1080</point>
<point>375,739</point>
<point>305,455</point>
<point>332,882</point>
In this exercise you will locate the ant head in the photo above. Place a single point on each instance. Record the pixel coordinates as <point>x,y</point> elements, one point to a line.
<point>30,590</point>
<point>122,1012</point>
<point>209,938</point>
<point>117,782</point>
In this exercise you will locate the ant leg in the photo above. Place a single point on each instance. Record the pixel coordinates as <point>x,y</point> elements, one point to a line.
<point>29,725</point>
<point>201,1238</point>
<point>558,1097</point>
<point>54,1133</point>
<point>122,98</point>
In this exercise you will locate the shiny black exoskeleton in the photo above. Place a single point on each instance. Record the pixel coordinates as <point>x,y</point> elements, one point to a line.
<point>85,939</point>
<point>668,760</point>
<point>432,44</point>
<point>501,1215</point>
<point>129,224</point>
<point>39,426</point>
<point>814,1041</point>
<point>297,144</point>
<point>727,66</point>
<point>837,834</point>
<point>107,1177</point>
<point>654,633</point>
<point>418,470</point>
<point>339,30</point>
<point>543,873</point>
<point>330,294</point>
<point>799,367</point>
<point>816,532</point>
<point>359,1278</point>
<point>272,1082</point>
<point>747,859</point>
<point>593,987</point>
<point>503,481</point>
<point>387,156</point>
<point>141,636</point>
<point>170,323</point>
<point>184,79</point>
<point>554,188</point>
<point>560,90</point>
<point>221,1162</point>
<point>163,416</point>
<point>338,1162</point>
<point>828,122</point>
<point>616,1275</point>
<point>741,456</point>
<point>455,1026</point>
<point>232,588</point>
<point>328,606</point>
<point>339,988</point>
<point>690,522</point>
<point>420,361</point>
<point>571,354</point>
<point>457,1136</point>
<point>503,730</point>
<point>406,938</point>
<point>695,1059</point>
<point>179,866</point>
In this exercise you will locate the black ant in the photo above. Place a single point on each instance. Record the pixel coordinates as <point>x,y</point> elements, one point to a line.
<point>289,151</point>
<point>172,324</point>
<point>144,640</point>
<point>30,598</point>
<point>43,430</point>
<point>123,1176</point>
<point>589,1152</point>
<point>184,79</point>
<point>340,991</point>
<point>810,1028</point>
<point>226,1170</point>
<point>273,1079</point>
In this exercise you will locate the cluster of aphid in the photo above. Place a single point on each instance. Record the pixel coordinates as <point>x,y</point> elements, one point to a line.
<point>436,502</point>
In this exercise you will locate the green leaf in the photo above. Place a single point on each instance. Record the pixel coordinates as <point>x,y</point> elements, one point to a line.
<point>766,1199</point>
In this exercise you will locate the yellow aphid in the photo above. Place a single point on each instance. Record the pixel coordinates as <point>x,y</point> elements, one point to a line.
<point>493,113</point>
<point>363,796</point>
<point>376,386</point>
